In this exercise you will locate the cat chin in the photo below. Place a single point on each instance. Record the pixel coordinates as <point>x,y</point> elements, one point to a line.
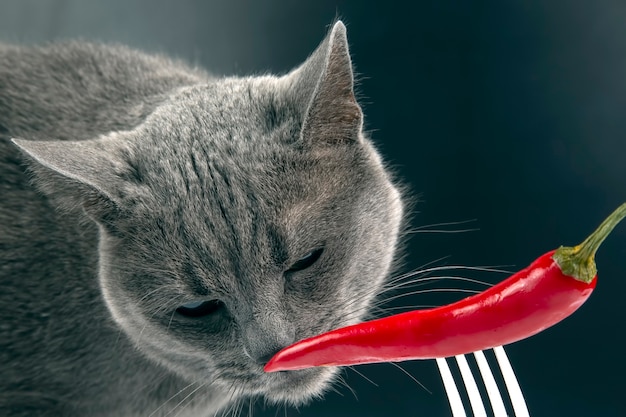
<point>298,387</point>
<point>293,388</point>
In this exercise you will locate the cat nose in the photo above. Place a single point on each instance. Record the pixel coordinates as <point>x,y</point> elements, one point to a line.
<point>264,358</point>
<point>261,344</point>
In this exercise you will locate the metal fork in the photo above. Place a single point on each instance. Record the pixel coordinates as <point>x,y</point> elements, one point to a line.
<point>493,392</point>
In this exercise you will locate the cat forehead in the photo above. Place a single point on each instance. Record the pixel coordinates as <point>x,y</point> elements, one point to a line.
<point>253,103</point>
<point>206,179</point>
<point>252,173</point>
<point>239,126</point>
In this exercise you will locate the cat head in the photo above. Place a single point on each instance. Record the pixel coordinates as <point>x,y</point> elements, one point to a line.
<point>241,216</point>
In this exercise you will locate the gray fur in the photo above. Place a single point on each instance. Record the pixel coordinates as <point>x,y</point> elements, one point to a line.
<point>135,184</point>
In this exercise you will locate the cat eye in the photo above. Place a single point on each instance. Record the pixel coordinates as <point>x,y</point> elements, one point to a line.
<point>307,260</point>
<point>200,308</point>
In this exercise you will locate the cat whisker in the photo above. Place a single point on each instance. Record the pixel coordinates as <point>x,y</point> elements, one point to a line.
<point>233,391</point>
<point>250,406</point>
<point>434,262</point>
<point>354,312</point>
<point>171,303</point>
<point>233,412</point>
<point>336,391</point>
<point>424,271</point>
<point>352,309</point>
<point>422,281</point>
<point>442,231</point>
<point>157,289</point>
<point>425,280</point>
<point>425,291</point>
<point>279,408</point>
<point>411,376</point>
<point>171,398</point>
<point>365,310</point>
<point>354,317</point>
<point>231,407</point>
<point>427,271</point>
<point>133,267</point>
<point>239,408</point>
<point>362,376</point>
<point>418,270</point>
<point>370,311</point>
<point>386,310</point>
<point>169,323</point>
<point>364,299</point>
<point>141,332</point>
<point>342,381</point>
<point>394,284</point>
<point>374,312</point>
<point>184,399</point>
<point>429,226</point>
<point>230,393</point>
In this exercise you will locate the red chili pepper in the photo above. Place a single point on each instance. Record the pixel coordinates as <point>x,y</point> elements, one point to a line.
<point>537,297</point>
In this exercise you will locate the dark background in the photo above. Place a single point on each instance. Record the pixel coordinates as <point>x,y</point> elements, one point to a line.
<point>507,112</point>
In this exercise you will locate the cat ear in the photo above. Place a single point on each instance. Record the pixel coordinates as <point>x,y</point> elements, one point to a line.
<point>87,173</point>
<point>325,84</point>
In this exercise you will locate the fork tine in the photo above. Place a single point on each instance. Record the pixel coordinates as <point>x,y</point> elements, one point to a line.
<point>454,398</point>
<point>515,392</point>
<point>476,402</point>
<point>493,391</point>
<point>497,405</point>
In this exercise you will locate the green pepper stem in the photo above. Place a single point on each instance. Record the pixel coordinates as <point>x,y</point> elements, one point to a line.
<point>578,261</point>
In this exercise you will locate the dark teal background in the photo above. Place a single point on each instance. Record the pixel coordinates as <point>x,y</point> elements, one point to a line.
<point>508,112</point>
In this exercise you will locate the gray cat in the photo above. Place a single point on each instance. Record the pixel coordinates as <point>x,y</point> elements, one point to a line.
<point>164,232</point>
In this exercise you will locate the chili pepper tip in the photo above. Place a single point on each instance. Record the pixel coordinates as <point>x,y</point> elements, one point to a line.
<point>578,261</point>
